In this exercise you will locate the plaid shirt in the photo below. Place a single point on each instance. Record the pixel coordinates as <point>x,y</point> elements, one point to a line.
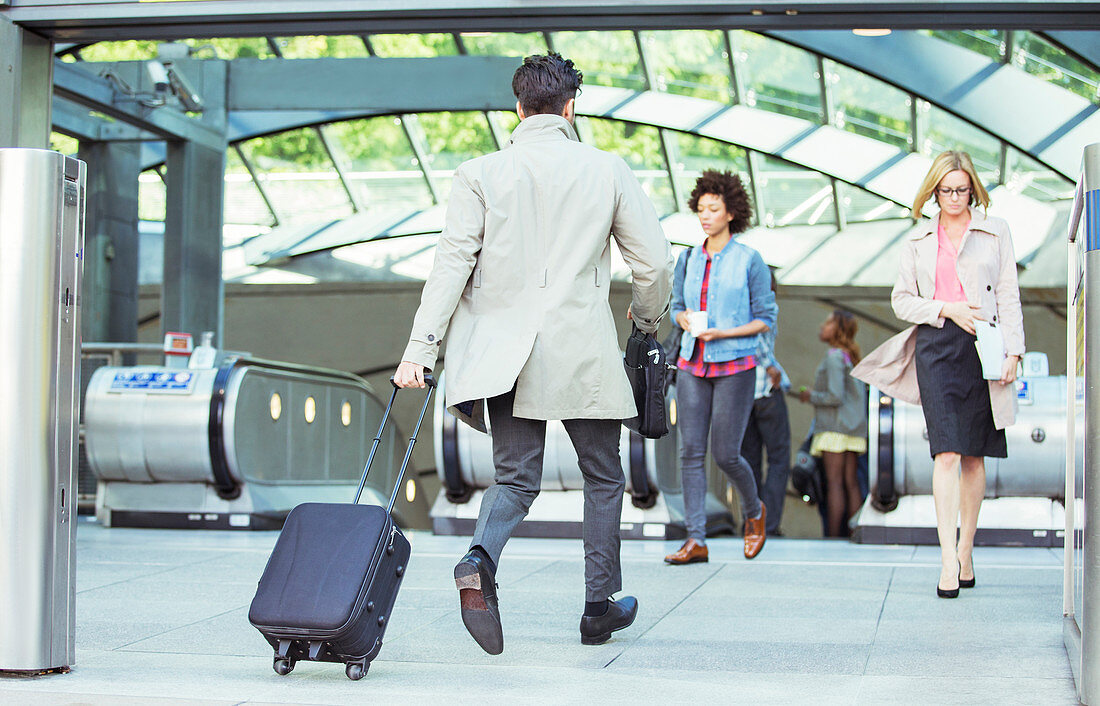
<point>699,367</point>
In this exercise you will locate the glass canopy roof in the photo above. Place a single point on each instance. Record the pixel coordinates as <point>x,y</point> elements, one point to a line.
<point>317,193</point>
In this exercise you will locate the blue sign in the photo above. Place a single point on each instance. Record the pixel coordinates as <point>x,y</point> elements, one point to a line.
<point>153,381</point>
<point>1023,391</point>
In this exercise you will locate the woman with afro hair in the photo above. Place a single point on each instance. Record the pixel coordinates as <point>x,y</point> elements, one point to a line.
<point>728,283</point>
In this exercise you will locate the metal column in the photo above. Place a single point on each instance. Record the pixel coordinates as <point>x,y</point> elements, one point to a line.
<point>41,238</point>
<point>1081,599</point>
<point>193,293</point>
<point>26,82</point>
<point>111,241</point>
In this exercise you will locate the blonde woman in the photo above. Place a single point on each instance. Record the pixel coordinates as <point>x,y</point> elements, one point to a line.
<point>956,268</point>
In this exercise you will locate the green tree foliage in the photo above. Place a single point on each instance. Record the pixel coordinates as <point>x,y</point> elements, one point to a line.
<point>504,43</point>
<point>605,58</point>
<point>689,62</point>
<point>413,45</point>
<point>321,47</point>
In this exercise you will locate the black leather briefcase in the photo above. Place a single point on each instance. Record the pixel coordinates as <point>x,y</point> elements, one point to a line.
<point>649,371</point>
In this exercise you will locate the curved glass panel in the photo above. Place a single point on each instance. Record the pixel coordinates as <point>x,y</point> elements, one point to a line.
<point>320,47</point>
<point>451,139</point>
<point>243,202</point>
<point>792,195</point>
<point>506,121</point>
<point>298,176</point>
<point>381,166</point>
<point>1030,178</point>
<point>412,45</point>
<point>640,146</point>
<point>688,62</point>
<point>867,106</point>
<point>503,43</point>
<point>988,42</point>
<point>859,205</point>
<point>605,58</point>
<point>944,131</point>
<point>776,76</point>
<point>1040,58</point>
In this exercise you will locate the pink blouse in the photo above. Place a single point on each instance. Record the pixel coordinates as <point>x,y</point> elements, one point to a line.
<point>948,286</point>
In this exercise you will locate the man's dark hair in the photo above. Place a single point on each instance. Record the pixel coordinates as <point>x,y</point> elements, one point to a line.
<point>729,187</point>
<point>545,83</point>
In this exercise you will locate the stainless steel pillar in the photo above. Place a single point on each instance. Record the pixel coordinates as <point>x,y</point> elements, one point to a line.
<point>41,238</point>
<point>1090,626</point>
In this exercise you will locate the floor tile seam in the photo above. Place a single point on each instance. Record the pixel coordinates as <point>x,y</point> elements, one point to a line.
<point>122,648</point>
<point>878,623</point>
<point>165,570</point>
<point>668,612</point>
<point>872,564</point>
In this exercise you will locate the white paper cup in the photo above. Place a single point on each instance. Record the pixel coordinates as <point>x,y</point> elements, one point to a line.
<point>697,322</point>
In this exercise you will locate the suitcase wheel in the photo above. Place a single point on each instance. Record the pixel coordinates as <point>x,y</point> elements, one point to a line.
<point>283,666</point>
<point>356,670</point>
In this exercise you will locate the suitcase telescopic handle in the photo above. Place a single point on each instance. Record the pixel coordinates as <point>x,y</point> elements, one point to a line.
<point>430,382</point>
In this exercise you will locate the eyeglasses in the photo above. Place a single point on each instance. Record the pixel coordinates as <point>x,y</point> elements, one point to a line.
<point>962,191</point>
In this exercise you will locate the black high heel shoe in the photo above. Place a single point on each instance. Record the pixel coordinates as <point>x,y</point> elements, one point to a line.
<point>965,583</point>
<point>952,593</point>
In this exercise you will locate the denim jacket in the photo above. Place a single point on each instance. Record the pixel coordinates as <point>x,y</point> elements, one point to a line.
<point>739,291</point>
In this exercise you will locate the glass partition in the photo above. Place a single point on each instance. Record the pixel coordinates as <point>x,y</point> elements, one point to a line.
<point>605,58</point>
<point>777,76</point>
<point>867,106</point>
<point>453,138</point>
<point>381,166</point>
<point>298,176</point>
<point>503,43</point>
<point>242,202</point>
<point>688,62</point>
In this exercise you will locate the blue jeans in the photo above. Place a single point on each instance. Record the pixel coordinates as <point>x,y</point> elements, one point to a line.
<point>721,404</point>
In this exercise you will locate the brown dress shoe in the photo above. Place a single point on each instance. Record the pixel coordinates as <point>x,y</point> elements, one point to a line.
<point>755,534</point>
<point>691,553</point>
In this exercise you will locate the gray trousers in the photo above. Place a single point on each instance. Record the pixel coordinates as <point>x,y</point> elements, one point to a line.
<point>769,428</point>
<point>718,407</point>
<point>518,446</point>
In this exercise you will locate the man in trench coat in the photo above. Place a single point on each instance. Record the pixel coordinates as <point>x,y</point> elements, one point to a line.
<point>519,290</point>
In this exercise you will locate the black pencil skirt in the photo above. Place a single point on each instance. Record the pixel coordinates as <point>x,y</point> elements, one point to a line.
<point>954,395</point>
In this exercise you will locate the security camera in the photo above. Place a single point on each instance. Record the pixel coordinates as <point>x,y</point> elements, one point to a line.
<point>189,99</point>
<point>159,74</point>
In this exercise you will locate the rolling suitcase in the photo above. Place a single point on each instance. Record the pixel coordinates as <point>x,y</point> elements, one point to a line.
<point>332,578</point>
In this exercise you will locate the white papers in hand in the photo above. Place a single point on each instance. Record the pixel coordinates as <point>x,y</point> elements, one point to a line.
<point>991,349</point>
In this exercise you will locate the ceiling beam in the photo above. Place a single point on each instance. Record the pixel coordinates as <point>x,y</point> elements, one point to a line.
<point>97,20</point>
<point>82,87</point>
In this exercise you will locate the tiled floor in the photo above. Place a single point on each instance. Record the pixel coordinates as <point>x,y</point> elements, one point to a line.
<point>162,619</point>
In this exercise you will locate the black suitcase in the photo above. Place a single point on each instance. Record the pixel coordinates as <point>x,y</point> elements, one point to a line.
<point>330,584</point>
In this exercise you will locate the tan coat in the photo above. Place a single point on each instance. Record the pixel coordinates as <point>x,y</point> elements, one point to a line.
<point>521,278</point>
<point>986,268</point>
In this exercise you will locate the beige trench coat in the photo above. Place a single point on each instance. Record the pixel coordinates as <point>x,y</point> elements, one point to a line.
<point>986,267</point>
<point>519,288</point>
